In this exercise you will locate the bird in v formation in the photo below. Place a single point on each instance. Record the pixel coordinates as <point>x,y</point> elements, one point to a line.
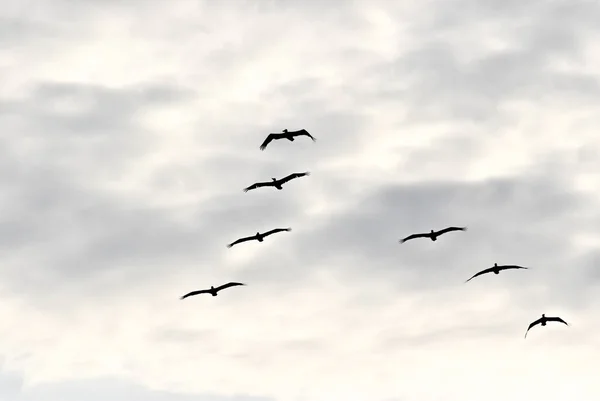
<point>212,290</point>
<point>543,321</point>
<point>258,236</point>
<point>277,183</point>
<point>285,134</point>
<point>432,235</point>
<point>496,270</point>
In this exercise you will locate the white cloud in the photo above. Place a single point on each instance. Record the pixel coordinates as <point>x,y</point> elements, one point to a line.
<point>130,128</point>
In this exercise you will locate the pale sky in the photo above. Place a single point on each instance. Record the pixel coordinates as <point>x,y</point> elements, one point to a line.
<point>128,130</point>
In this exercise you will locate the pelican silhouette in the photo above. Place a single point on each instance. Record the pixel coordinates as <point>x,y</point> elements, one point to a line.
<point>543,320</point>
<point>433,235</point>
<point>289,135</point>
<point>212,290</point>
<point>276,183</point>
<point>496,270</point>
<point>258,236</point>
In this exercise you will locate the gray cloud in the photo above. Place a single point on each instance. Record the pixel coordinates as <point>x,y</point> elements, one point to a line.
<point>448,77</point>
<point>119,196</point>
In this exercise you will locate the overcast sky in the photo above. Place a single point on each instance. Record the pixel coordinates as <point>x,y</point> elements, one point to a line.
<point>128,130</point>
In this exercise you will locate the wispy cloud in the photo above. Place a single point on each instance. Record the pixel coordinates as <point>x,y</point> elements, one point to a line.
<point>129,129</point>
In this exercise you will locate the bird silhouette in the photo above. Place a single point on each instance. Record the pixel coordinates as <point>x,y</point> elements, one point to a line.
<point>496,270</point>
<point>543,320</point>
<point>276,183</point>
<point>258,236</point>
<point>289,135</point>
<point>433,234</point>
<point>212,290</point>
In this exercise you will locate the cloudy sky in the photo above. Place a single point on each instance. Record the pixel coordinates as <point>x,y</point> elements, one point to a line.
<point>128,130</point>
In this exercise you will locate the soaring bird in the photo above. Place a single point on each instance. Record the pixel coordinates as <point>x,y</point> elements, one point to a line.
<point>212,291</point>
<point>543,321</point>
<point>496,270</point>
<point>276,183</point>
<point>289,135</point>
<point>258,237</point>
<point>433,234</point>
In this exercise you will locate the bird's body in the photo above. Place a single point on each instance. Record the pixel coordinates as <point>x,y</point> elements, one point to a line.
<point>275,182</point>
<point>289,135</point>
<point>496,270</point>
<point>543,321</point>
<point>258,236</point>
<point>433,235</point>
<point>212,290</point>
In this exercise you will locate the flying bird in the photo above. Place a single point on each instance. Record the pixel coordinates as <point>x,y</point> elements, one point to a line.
<point>543,320</point>
<point>258,236</point>
<point>276,183</point>
<point>289,135</point>
<point>433,234</point>
<point>212,291</point>
<point>496,270</point>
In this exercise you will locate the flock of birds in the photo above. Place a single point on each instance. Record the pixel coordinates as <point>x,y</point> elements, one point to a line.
<point>278,184</point>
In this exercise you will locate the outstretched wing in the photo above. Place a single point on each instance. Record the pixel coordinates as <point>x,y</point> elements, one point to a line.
<point>447,230</point>
<point>479,274</point>
<point>531,325</point>
<point>257,185</point>
<point>270,137</point>
<point>556,319</point>
<point>292,176</point>
<point>413,236</point>
<point>237,241</point>
<point>195,293</point>
<point>276,230</point>
<point>231,284</point>
<point>506,267</point>
<point>302,132</point>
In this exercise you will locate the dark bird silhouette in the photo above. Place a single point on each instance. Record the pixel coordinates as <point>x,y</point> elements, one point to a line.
<point>258,237</point>
<point>496,270</point>
<point>289,135</point>
<point>543,320</point>
<point>433,234</point>
<point>276,183</point>
<point>212,290</point>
